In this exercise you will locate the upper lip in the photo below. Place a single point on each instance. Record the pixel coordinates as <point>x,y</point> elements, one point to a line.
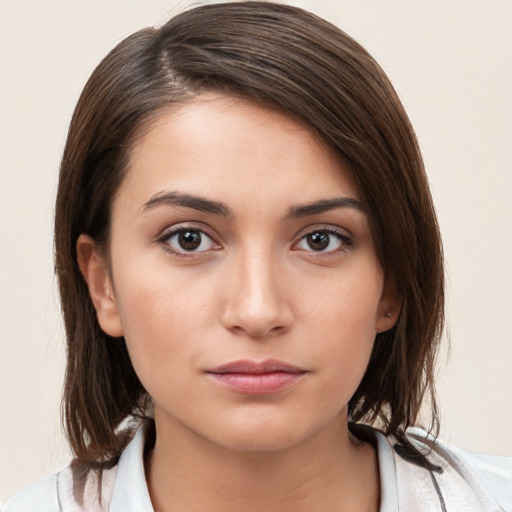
<point>254,367</point>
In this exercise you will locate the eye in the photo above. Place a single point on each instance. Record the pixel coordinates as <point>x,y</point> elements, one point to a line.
<point>188,240</point>
<point>323,241</point>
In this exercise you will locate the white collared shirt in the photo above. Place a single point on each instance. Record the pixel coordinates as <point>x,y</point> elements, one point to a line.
<point>462,482</point>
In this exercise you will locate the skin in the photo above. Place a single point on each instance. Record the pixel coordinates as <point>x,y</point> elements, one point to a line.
<point>255,288</point>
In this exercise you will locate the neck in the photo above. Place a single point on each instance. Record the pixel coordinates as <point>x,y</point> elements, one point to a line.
<point>330,471</point>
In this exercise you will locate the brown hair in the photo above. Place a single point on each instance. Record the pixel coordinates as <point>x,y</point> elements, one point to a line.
<point>283,58</point>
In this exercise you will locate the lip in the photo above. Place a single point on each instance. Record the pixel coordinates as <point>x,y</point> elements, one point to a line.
<point>257,378</point>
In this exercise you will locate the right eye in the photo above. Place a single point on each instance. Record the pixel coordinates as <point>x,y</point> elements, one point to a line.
<point>185,241</point>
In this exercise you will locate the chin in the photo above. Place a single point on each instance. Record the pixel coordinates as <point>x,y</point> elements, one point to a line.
<point>262,441</point>
<point>263,434</point>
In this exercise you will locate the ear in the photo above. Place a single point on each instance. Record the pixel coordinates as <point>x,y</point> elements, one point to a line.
<point>94,268</point>
<point>389,308</point>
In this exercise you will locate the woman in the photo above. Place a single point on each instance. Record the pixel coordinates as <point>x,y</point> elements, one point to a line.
<point>251,274</point>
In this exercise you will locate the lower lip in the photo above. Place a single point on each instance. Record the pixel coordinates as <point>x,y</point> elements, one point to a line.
<point>258,383</point>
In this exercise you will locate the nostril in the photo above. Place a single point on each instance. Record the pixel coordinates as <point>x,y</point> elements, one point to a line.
<point>257,324</point>
<point>257,332</point>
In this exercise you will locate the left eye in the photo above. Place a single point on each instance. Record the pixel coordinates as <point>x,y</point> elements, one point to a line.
<point>322,241</point>
<point>190,241</point>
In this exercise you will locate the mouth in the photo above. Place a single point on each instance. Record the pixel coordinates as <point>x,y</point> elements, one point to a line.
<point>257,378</point>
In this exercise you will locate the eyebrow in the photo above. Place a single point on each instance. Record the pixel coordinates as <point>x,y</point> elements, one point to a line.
<point>324,205</point>
<point>188,201</point>
<point>218,208</point>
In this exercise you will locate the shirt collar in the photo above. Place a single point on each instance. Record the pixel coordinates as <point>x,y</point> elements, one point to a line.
<point>387,470</point>
<point>130,490</point>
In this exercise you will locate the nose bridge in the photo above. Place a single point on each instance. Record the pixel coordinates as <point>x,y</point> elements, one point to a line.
<point>256,302</point>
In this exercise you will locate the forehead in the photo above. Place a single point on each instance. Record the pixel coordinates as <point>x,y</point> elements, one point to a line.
<point>222,145</point>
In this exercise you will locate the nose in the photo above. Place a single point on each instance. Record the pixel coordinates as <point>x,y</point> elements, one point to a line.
<point>256,303</point>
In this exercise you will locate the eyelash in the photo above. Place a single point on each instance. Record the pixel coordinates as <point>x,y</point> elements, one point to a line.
<point>167,236</point>
<point>344,240</point>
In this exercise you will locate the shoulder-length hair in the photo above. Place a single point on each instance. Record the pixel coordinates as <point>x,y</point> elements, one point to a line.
<point>283,58</point>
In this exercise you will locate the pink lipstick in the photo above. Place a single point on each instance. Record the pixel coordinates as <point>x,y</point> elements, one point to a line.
<point>253,378</point>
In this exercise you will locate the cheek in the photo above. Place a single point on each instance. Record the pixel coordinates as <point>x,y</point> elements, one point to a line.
<point>345,302</point>
<point>342,321</point>
<point>165,316</point>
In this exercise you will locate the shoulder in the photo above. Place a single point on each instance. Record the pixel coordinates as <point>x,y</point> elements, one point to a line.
<point>467,480</point>
<point>65,491</point>
<point>41,496</point>
<point>121,488</point>
<point>492,471</point>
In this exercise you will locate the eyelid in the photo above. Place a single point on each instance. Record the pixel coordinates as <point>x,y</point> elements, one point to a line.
<point>344,235</point>
<point>170,231</point>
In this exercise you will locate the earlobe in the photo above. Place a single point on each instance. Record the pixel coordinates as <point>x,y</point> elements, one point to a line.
<point>389,309</point>
<point>94,269</point>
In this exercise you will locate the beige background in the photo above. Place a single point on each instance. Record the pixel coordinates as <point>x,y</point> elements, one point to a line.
<point>451,62</point>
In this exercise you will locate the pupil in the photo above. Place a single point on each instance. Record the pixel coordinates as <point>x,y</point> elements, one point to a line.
<point>189,240</point>
<point>318,241</point>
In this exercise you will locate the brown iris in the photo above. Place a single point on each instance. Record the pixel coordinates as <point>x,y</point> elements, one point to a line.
<point>189,240</point>
<point>318,241</point>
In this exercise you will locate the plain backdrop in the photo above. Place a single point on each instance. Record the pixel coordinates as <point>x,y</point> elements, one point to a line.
<point>451,62</point>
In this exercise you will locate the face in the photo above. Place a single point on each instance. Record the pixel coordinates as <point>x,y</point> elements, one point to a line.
<point>242,274</point>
